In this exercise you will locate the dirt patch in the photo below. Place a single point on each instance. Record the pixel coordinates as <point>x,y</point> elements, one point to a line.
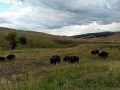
<point>9,70</point>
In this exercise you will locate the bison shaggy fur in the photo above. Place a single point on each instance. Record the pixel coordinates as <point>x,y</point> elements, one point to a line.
<point>2,59</point>
<point>66,58</point>
<point>74,59</point>
<point>95,51</point>
<point>54,59</point>
<point>103,54</point>
<point>10,57</point>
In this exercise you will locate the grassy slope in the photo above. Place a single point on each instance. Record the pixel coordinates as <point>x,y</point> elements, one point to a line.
<point>36,39</point>
<point>32,71</point>
<point>112,37</point>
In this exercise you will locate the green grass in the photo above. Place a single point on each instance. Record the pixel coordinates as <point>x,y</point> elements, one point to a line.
<point>74,77</point>
<point>32,69</point>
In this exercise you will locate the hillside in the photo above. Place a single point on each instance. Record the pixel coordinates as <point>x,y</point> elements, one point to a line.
<point>94,35</point>
<point>43,40</point>
<point>100,37</point>
<point>37,39</point>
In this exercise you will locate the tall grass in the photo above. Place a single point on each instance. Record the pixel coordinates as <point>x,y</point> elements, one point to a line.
<point>73,77</point>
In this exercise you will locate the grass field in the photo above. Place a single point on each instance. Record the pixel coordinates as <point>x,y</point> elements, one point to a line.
<point>31,70</point>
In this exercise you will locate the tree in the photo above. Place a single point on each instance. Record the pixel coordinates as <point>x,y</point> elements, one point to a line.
<point>12,38</point>
<point>23,40</point>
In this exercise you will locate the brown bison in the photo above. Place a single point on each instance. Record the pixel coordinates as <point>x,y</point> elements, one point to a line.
<point>11,56</point>
<point>95,51</point>
<point>2,59</point>
<point>55,59</point>
<point>66,58</point>
<point>74,59</point>
<point>103,54</point>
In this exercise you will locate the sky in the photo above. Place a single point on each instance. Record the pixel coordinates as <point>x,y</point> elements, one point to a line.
<point>61,17</point>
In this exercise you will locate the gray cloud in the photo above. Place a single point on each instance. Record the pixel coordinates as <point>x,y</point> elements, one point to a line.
<point>4,20</point>
<point>78,12</point>
<point>57,14</point>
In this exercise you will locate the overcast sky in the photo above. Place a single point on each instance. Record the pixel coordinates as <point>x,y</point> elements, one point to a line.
<point>61,17</point>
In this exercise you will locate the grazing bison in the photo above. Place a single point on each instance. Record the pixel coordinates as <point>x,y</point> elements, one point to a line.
<point>55,59</point>
<point>2,59</point>
<point>66,58</point>
<point>95,51</point>
<point>103,54</point>
<point>11,56</point>
<point>74,59</point>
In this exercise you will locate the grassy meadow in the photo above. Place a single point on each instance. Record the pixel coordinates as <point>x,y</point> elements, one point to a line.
<point>31,70</point>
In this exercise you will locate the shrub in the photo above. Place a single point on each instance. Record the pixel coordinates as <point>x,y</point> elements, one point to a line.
<point>23,40</point>
<point>13,40</point>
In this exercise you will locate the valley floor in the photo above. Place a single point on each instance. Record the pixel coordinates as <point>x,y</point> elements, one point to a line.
<point>32,69</point>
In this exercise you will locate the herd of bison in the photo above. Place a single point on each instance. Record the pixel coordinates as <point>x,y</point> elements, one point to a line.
<point>56,58</point>
<point>72,59</point>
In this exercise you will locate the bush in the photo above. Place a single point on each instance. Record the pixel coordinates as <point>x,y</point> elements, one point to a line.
<point>13,40</point>
<point>23,40</point>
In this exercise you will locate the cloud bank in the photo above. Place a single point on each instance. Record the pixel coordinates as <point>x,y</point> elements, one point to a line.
<point>62,17</point>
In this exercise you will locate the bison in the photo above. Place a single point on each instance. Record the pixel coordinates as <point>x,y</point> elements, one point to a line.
<point>11,56</point>
<point>74,59</point>
<point>2,59</point>
<point>55,59</point>
<point>103,54</point>
<point>95,51</point>
<point>66,58</point>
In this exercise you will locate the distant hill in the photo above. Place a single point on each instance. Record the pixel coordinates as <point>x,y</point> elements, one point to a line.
<point>43,40</point>
<point>94,35</point>
<point>36,39</point>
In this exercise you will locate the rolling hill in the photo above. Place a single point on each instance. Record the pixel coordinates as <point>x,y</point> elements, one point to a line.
<point>101,36</point>
<point>94,35</point>
<point>37,39</point>
<point>43,40</point>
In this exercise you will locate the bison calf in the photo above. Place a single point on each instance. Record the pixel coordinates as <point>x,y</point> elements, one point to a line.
<point>2,59</point>
<point>11,56</point>
<point>55,59</point>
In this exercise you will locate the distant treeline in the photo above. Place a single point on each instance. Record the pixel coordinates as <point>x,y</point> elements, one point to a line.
<point>94,35</point>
